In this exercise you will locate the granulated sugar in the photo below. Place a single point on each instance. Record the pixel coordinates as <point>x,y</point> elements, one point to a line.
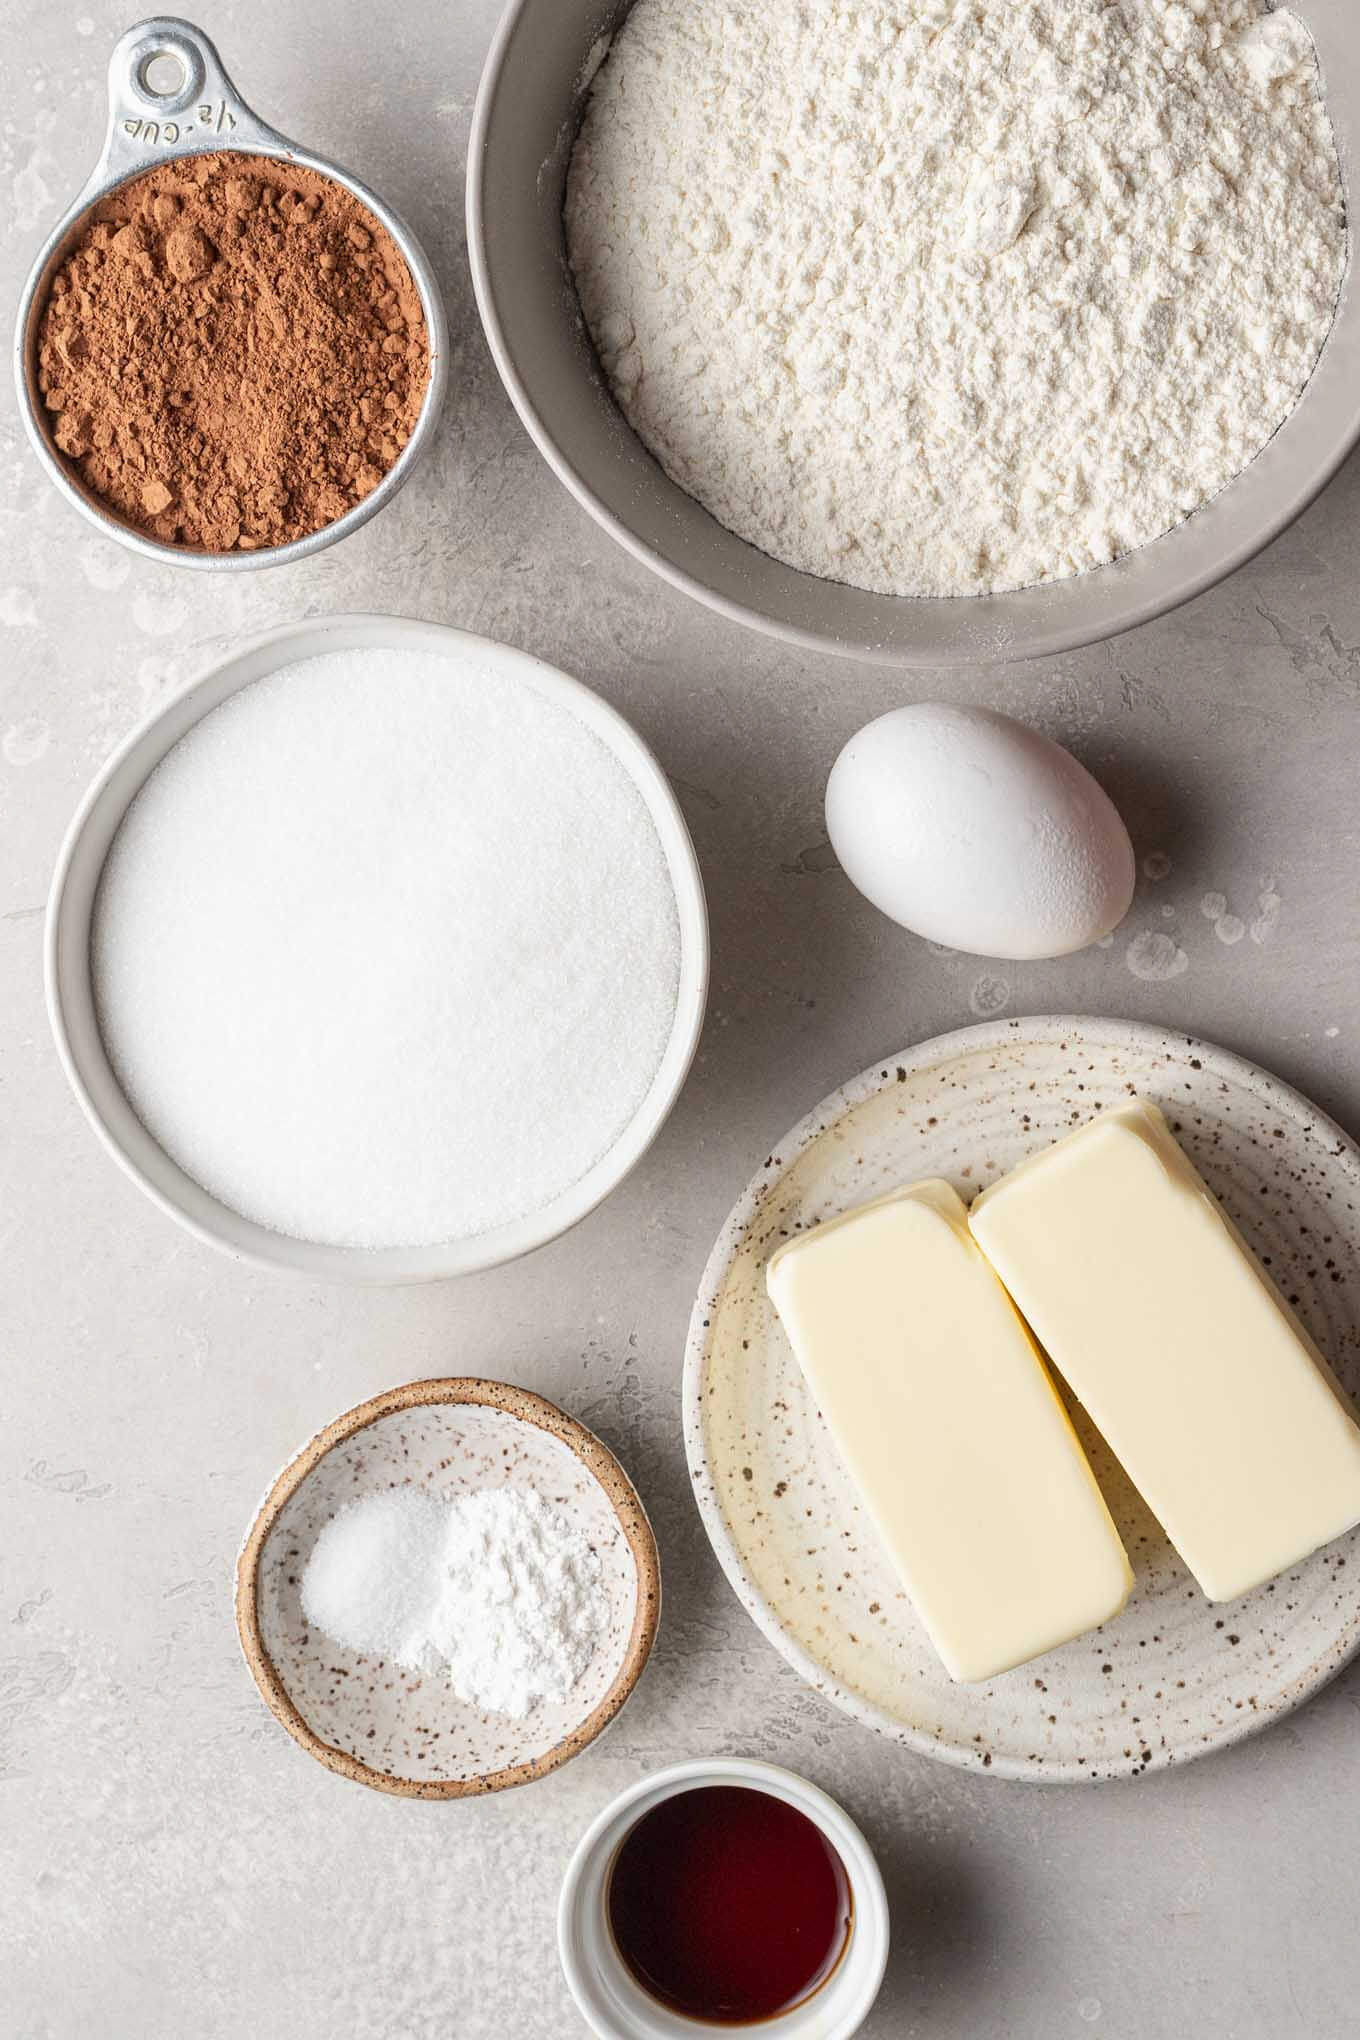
<point>386,950</point>
<point>496,1589</point>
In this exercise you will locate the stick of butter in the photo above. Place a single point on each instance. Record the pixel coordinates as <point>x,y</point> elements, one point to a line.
<point>1186,1357</point>
<point>951,1430</point>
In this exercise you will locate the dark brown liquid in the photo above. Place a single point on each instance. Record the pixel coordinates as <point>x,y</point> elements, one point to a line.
<point>728,1905</point>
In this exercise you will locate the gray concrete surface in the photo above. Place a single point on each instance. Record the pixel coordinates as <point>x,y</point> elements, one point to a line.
<point>170,1864</point>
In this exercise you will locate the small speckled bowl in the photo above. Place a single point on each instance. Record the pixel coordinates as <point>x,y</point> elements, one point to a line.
<point>401,1731</point>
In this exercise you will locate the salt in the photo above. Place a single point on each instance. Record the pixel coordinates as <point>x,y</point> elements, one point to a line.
<point>496,1589</point>
<point>370,1582</point>
<point>386,950</point>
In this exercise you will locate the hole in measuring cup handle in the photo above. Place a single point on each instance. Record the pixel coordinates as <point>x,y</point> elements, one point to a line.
<point>162,75</point>
<point>160,68</point>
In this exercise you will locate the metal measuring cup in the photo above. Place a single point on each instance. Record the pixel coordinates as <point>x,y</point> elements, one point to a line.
<point>169,96</point>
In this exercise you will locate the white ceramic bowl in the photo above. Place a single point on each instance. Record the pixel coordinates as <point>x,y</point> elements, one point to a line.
<point>70,996</point>
<point>615,2007</point>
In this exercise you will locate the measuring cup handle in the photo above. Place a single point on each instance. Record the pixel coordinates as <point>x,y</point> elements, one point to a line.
<point>202,110</point>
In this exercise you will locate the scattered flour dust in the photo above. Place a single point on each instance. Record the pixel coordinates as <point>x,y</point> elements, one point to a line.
<point>496,1589</point>
<point>17,608</point>
<point>941,296</point>
<point>25,742</point>
<point>990,995</point>
<point>1268,903</point>
<point>1156,957</point>
<point>1228,928</point>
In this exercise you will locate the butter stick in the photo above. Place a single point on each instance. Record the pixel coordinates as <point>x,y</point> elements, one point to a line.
<point>1181,1349</point>
<point>951,1430</point>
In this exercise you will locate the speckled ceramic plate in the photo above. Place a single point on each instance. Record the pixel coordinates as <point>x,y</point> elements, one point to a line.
<point>399,1730</point>
<point>1174,1675</point>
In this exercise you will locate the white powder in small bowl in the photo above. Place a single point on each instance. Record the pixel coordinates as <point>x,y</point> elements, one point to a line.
<point>386,951</point>
<point>496,1589</point>
<point>372,1579</point>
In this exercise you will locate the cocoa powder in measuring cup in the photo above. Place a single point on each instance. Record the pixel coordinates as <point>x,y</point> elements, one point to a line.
<point>233,354</point>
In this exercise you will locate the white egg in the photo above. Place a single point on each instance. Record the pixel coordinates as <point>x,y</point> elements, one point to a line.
<point>979,833</point>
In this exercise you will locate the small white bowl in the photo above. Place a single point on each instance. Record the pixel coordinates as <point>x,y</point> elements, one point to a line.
<point>70,992</point>
<point>615,2006</point>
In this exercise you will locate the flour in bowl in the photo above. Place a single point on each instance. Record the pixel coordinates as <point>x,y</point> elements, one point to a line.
<point>944,296</point>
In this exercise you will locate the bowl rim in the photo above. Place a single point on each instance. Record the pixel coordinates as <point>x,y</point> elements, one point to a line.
<point>528,1407</point>
<point>67,972</point>
<point>1169,593</point>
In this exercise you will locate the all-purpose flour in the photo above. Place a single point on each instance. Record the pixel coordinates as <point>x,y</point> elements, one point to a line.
<point>939,296</point>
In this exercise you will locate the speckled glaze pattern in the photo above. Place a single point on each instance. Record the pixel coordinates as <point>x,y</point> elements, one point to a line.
<point>1174,1675</point>
<point>403,1731</point>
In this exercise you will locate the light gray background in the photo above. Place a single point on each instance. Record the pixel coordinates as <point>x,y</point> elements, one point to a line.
<point>170,1864</point>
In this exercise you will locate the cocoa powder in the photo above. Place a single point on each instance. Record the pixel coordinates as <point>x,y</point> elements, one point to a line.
<point>234,354</point>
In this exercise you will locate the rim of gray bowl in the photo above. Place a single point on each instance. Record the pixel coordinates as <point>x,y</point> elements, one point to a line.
<point>1287,474</point>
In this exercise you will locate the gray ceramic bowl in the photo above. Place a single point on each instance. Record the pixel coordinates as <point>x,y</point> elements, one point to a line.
<point>525,123</point>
